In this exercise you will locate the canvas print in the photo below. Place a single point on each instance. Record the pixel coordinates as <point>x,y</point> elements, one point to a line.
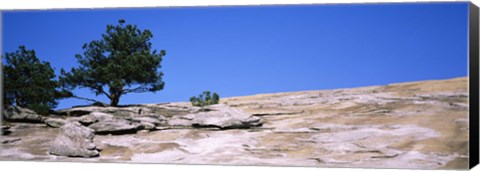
<point>320,85</point>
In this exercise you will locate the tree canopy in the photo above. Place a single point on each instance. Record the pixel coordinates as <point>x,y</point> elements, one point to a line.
<point>29,82</point>
<point>121,62</point>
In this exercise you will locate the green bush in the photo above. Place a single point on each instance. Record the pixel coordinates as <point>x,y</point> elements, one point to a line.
<point>205,99</point>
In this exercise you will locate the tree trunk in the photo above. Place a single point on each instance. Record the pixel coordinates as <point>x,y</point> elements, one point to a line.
<point>115,94</point>
<point>115,99</point>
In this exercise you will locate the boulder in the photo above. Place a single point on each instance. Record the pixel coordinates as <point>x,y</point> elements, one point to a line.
<point>224,117</point>
<point>85,119</point>
<point>55,122</point>
<point>104,123</point>
<point>114,126</point>
<point>74,140</point>
<point>18,114</point>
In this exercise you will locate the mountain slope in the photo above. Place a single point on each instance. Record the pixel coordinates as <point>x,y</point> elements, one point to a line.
<point>407,125</point>
<point>417,119</point>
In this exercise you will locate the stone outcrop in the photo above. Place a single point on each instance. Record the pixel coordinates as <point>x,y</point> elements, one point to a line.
<point>146,119</point>
<point>223,117</point>
<point>114,126</point>
<point>55,122</point>
<point>104,123</point>
<point>108,121</point>
<point>418,125</point>
<point>75,112</point>
<point>110,124</point>
<point>19,114</point>
<point>74,140</point>
<point>85,119</point>
<point>146,126</point>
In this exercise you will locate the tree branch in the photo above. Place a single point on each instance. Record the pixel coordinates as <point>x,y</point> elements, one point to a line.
<point>106,94</point>
<point>100,90</point>
<point>87,99</point>
<point>139,89</point>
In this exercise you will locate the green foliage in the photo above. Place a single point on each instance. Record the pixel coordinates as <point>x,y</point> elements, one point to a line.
<point>205,99</point>
<point>29,82</point>
<point>121,62</point>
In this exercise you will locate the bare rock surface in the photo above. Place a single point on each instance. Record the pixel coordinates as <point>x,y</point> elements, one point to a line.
<point>85,119</point>
<point>6,140</point>
<point>416,125</point>
<point>114,126</point>
<point>55,122</point>
<point>6,130</point>
<point>223,117</point>
<point>18,114</point>
<point>74,140</point>
<point>145,119</point>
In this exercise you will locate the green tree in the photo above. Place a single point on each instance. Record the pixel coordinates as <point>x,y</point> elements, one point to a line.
<point>205,99</point>
<point>29,82</point>
<point>121,62</point>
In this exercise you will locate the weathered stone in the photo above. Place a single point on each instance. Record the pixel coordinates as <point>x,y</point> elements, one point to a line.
<point>6,140</point>
<point>18,114</point>
<point>363,127</point>
<point>110,124</point>
<point>147,125</point>
<point>74,112</point>
<point>179,122</point>
<point>6,130</point>
<point>100,116</point>
<point>152,120</point>
<point>143,132</point>
<point>74,140</point>
<point>55,122</point>
<point>85,119</point>
<point>163,127</point>
<point>114,126</point>
<point>224,117</point>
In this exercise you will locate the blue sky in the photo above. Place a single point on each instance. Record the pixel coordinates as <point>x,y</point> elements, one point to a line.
<point>248,50</point>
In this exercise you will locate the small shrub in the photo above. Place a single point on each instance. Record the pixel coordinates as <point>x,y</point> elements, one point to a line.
<point>205,99</point>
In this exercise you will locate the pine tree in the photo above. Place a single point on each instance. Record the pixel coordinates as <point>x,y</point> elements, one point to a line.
<point>29,82</point>
<point>121,62</point>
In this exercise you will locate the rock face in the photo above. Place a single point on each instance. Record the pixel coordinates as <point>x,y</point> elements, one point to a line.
<point>114,126</point>
<point>6,130</point>
<point>224,117</point>
<point>6,140</point>
<point>85,119</point>
<point>416,125</point>
<point>110,124</point>
<point>144,119</point>
<point>55,122</point>
<point>74,140</point>
<point>18,114</point>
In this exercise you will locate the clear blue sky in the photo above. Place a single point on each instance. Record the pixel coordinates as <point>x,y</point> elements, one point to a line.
<point>263,49</point>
